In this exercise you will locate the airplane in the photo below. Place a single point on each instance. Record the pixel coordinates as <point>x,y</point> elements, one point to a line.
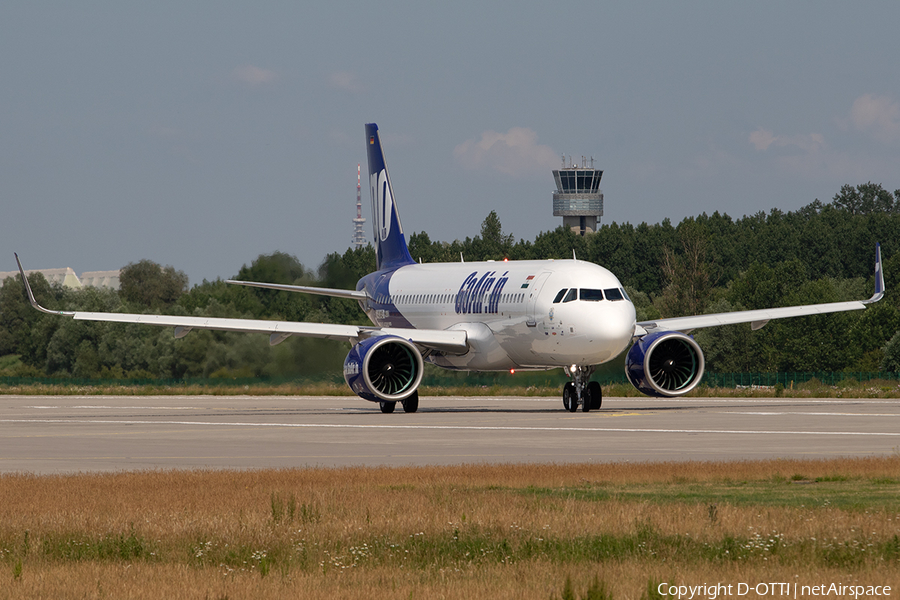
<point>488,316</point>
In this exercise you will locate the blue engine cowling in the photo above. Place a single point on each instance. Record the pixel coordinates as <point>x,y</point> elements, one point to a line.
<point>667,364</point>
<point>384,369</point>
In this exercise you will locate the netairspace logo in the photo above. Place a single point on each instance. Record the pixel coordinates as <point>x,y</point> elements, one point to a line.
<point>773,589</point>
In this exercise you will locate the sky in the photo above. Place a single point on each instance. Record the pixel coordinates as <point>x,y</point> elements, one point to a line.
<point>203,134</point>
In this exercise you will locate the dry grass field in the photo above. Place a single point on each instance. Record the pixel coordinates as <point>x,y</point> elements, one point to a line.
<point>500,531</point>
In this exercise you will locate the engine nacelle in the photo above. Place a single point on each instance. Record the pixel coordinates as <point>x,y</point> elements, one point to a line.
<point>384,369</point>
<point>667,363</point>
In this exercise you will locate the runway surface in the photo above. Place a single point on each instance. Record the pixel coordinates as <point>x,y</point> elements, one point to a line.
<point>67,434</point>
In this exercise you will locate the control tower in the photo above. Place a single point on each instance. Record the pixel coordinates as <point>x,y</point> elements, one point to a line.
<point>578,199</point>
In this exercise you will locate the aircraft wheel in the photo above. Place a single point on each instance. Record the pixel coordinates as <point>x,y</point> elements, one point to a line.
<point>595,393</point>
<point>411,404</point>
<point>570,398</point>
<point>387,407</point>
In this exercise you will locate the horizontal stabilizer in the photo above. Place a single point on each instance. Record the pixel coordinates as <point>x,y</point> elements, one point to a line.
<point>305,289</point>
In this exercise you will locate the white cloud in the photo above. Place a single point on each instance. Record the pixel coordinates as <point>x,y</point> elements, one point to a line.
<point>808,156</point>
<point>253,76</point>
<point>877,116</point>
<point>346,81</point>
<point>515,153</point>
<point>762,139</point>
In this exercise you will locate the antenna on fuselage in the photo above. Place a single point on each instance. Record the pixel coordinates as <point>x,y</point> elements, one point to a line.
<point>461,259</point>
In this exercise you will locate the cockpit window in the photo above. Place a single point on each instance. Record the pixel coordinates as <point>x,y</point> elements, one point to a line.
<point>624,293</point>
<point>613,294</point>
<point>572,295</point>
<point>559,296</point>
<point>591,295</point>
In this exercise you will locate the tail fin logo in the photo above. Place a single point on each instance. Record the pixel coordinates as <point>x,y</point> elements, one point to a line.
<point>382,204</point>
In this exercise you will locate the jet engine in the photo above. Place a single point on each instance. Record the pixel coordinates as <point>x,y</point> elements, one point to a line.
<point>383,369</point>
<point>668,364</point>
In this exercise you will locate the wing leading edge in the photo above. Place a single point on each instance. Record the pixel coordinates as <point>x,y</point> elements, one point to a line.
<point>446,341</point>
<point>758,318</point>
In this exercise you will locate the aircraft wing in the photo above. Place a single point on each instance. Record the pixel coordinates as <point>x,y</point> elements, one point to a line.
<point>454,342</point>
<point>758,318</point>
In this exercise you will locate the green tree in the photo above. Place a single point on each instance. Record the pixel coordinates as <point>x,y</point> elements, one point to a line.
<point>494,244</point>
<point>17,317</point>
<point>148,284</point>
<point>731,348</point>
<point>891,361</point>
<point>422,249</point>
<point>688,275</point>
<point>278,267</point>
<point>866,199</point>
<point>335,272</point>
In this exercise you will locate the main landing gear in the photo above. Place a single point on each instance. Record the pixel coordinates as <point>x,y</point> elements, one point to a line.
<point>580,391</point>
<point>410,405</point>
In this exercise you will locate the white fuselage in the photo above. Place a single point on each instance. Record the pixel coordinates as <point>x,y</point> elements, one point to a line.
<point>508,311</point>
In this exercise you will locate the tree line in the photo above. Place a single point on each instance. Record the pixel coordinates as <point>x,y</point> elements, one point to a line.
<point>708,263</point>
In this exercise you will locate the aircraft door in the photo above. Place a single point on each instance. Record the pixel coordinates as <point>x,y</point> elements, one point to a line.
<point>532,296</point>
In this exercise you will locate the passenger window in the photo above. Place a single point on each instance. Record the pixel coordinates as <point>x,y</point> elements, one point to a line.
<point>613,294</point>
<point>591,295</point>
<point>572,295</point>
<point>559,296</point>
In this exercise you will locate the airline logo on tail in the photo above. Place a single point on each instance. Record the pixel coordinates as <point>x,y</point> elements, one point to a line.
<point>382,204</point>
<point>390,245</point>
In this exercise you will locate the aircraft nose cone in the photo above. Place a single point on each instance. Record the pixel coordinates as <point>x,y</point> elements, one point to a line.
<point>616,329</point>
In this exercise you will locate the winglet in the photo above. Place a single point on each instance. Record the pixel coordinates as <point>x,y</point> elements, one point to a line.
<point>879,277</point>
<point>31,294</point>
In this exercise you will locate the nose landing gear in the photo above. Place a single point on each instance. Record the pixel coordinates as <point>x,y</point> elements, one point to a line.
<point>580,391</point>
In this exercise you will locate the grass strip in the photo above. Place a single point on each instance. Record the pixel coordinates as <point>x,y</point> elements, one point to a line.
<point>469,531</point>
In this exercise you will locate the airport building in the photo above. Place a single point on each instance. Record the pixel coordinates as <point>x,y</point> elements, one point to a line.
<point>66,277</point>
<point>578,198</point>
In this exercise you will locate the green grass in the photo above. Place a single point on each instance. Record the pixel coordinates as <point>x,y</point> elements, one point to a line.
<point>470,547</point>
<point>880,493</point>
<point>86,547</point>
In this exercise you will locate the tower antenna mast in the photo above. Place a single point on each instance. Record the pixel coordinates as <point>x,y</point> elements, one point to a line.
<point>359,235</point>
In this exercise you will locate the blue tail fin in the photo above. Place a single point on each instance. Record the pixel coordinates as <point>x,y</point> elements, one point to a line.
<point>390,244</point>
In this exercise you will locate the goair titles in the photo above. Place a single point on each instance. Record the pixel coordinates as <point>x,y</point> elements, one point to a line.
<point>480,294</point>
